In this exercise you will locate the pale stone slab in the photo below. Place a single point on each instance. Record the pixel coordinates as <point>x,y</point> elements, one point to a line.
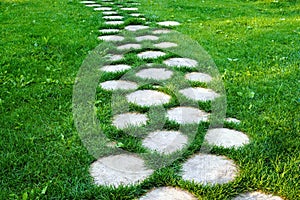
<point>146,37</point>
<point>168,193</point>
<point>129,119</point>
<point>93,5</point>
<point>114,22</point>
<point>102,8</point>
<point>148,98</point>
<point>151,54</point>
<point>181,62</point>
<point>197,76</point>
<point>168,23</point>
<point>111,38</point>
<point>129,9</point>
<point>164,45</point>
<point>135,14</point>
<point>256,196</point>
<point>199,94</point>
<point>209,169</point>
<point>115,57</point>
<point>116,170</point>
<point>113,17</point>
<point>112,30</point>
<point>155,73</point>
<point>115,68</point>
<point>87,2</point>
<point>161,31</point>
<point>187,115</point>
<point>109,13</point>
<point>129,46</point>
<point>165,142</point>
<point>136,27</point>
<point>227,138</point>
<point>118,85</point>
<point>232,120</point>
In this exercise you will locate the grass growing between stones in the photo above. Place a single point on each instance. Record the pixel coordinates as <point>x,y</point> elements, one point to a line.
<point>255,45</point>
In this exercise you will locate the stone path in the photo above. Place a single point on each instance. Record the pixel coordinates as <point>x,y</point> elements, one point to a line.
<point>126,168</point>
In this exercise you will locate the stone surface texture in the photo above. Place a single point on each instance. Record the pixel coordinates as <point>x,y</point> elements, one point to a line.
<point>197,76</point>
<point>187,115</point>
<point>151,54</point>
<point>199,94</point>
<point>125,120</point>
<point>115,68</point>
<point>181,62</point>
<point>118,85</point>
<point>168,193</point>
<point>155,73</point>
<point>148,98</point>
<point>256,196</point>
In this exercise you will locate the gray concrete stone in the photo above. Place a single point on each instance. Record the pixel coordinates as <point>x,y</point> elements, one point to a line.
<point>209,169</point>
<point>181,62</point>
<point>227,138</point>
<point>113,17</point>
<point>146,37</point>
<point>112,30</point>
<point>118,85</point>
<point>109,13</point>
<point>256,196</point>
<point>129,46</point>
<point>114,22</point>
<point>115,68</point>
<point>135,14</point>
<point>197,76</point>
<point>111,38</point>
<point>161,31</point>
<point>129,9</point>
<point>126,120</point>
<point>148,98</point>
<point>155,73</point>
<point>87,2</point>
<point>165,142</point>
<point>93,5</point>
<point>168,23</point>
<point>187,115</point>
<point>164,45</point>
<point>116,170</point>
<point>102,8</point>
<point>115,57</point>
<point>151,54</point>
<point>168,193</point>
<point>199,94</point>
<point>136,27</point>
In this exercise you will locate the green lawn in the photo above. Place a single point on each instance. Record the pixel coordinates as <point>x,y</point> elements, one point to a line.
<point>255,45</point>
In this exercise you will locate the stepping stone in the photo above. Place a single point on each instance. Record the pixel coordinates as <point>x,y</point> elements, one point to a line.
<point>155,73</point>
<point>118,85</point>
<point>256,196</point>
<point>197,76</point>
<point>135,14</point>
<point>181,62</point>
<point>232,120</point>
<point>109,13</point>
<point>109,30</point>
<point>87,2</point>
<point>115,68</point>
<point>113,17</point>
<point>227,138</point>
<point>187,115</point>
<point>151,54</point>
<point>102,8</point>
<point>129,9</point>
<point>199,94</point>
<point>93,5</point>
<point>168,23</point>
<point>161,31</point>
<point>136,27</point>
<point>142,18</point>
<point>114,22</point>
<point>148,98</point>
<point>129,46</point>
<point>165,142</point>
<point>111,38</point>
<point>129,119</point>
<point>209,169</point>
<point>115,57</point>
<point>146,37</point>
<point>164,45</point>
<point>168,193</point>
<point>118,170</point>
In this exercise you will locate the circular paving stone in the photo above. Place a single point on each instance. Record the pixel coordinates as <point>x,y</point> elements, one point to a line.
<point>165,141</point>
<point>187,115</point>
<point>115,68</point>
<point>164,45</point>
<point>197,76</point>
<point>256,196</point>
<point>135,14</point>
<point>102,8</point>
<point>111,38</point>
<point>129,119</point>
<point>129,46</point>
<point>119,170</point>
<point>161,31</point>
<point>148,98</point>
<point>109,30</point>
<point>209,169</point>
<point>87,2</point>
<point>155,73</point>
<point>181,62</point>
<point>93,5</point>
<point>199,94</point>
<point>232,120</point>
<point>151,54</point>
<point>109,13</point>
<point>168,193</point>
<point>146,37</point>
<point>115,57</point>
<point>168,23</point>
<point>226,138</point>
<point>135,27</point>
<point>114,22</point>
<point>113,17</point>
<point>129,9</point>
<point>118,85</point>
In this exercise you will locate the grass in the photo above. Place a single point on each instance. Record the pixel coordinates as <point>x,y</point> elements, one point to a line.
<point>255,45</point>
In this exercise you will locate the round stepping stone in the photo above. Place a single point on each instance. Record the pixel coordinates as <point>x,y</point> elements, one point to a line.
<point>113,17</point>
<point>227,138</point>
<point>129,46</point>
<point>135,14</point>
<point>161,31</point>
<point>168,23</point>
<point>168,193</point>
<point>232,120</point>
<point>109,30</point>
<point>111,38</point>
<point>151,54</point>
<point>187,115</point>
<point>197,76</point>
<point>93,5</point>
<point>109,13</point>
<point>199,94</point>
<point>136,27</point>
<point>115,68</point>
<point>129,9</point>
<point>209,169</point>
<point>129,119</point>
<point>146,37</point>
<point>155,73</point>
<point>102,8</point>
<point>181,62</point>
<point>256,196</point>
<point>115,57</point>
<point>118,85</point>
<point>114,22</point>
<point>87,2</point>
<point>148,98</point>
<point>165,141</point>
<point>164,45</point>
<point>118,170</point>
